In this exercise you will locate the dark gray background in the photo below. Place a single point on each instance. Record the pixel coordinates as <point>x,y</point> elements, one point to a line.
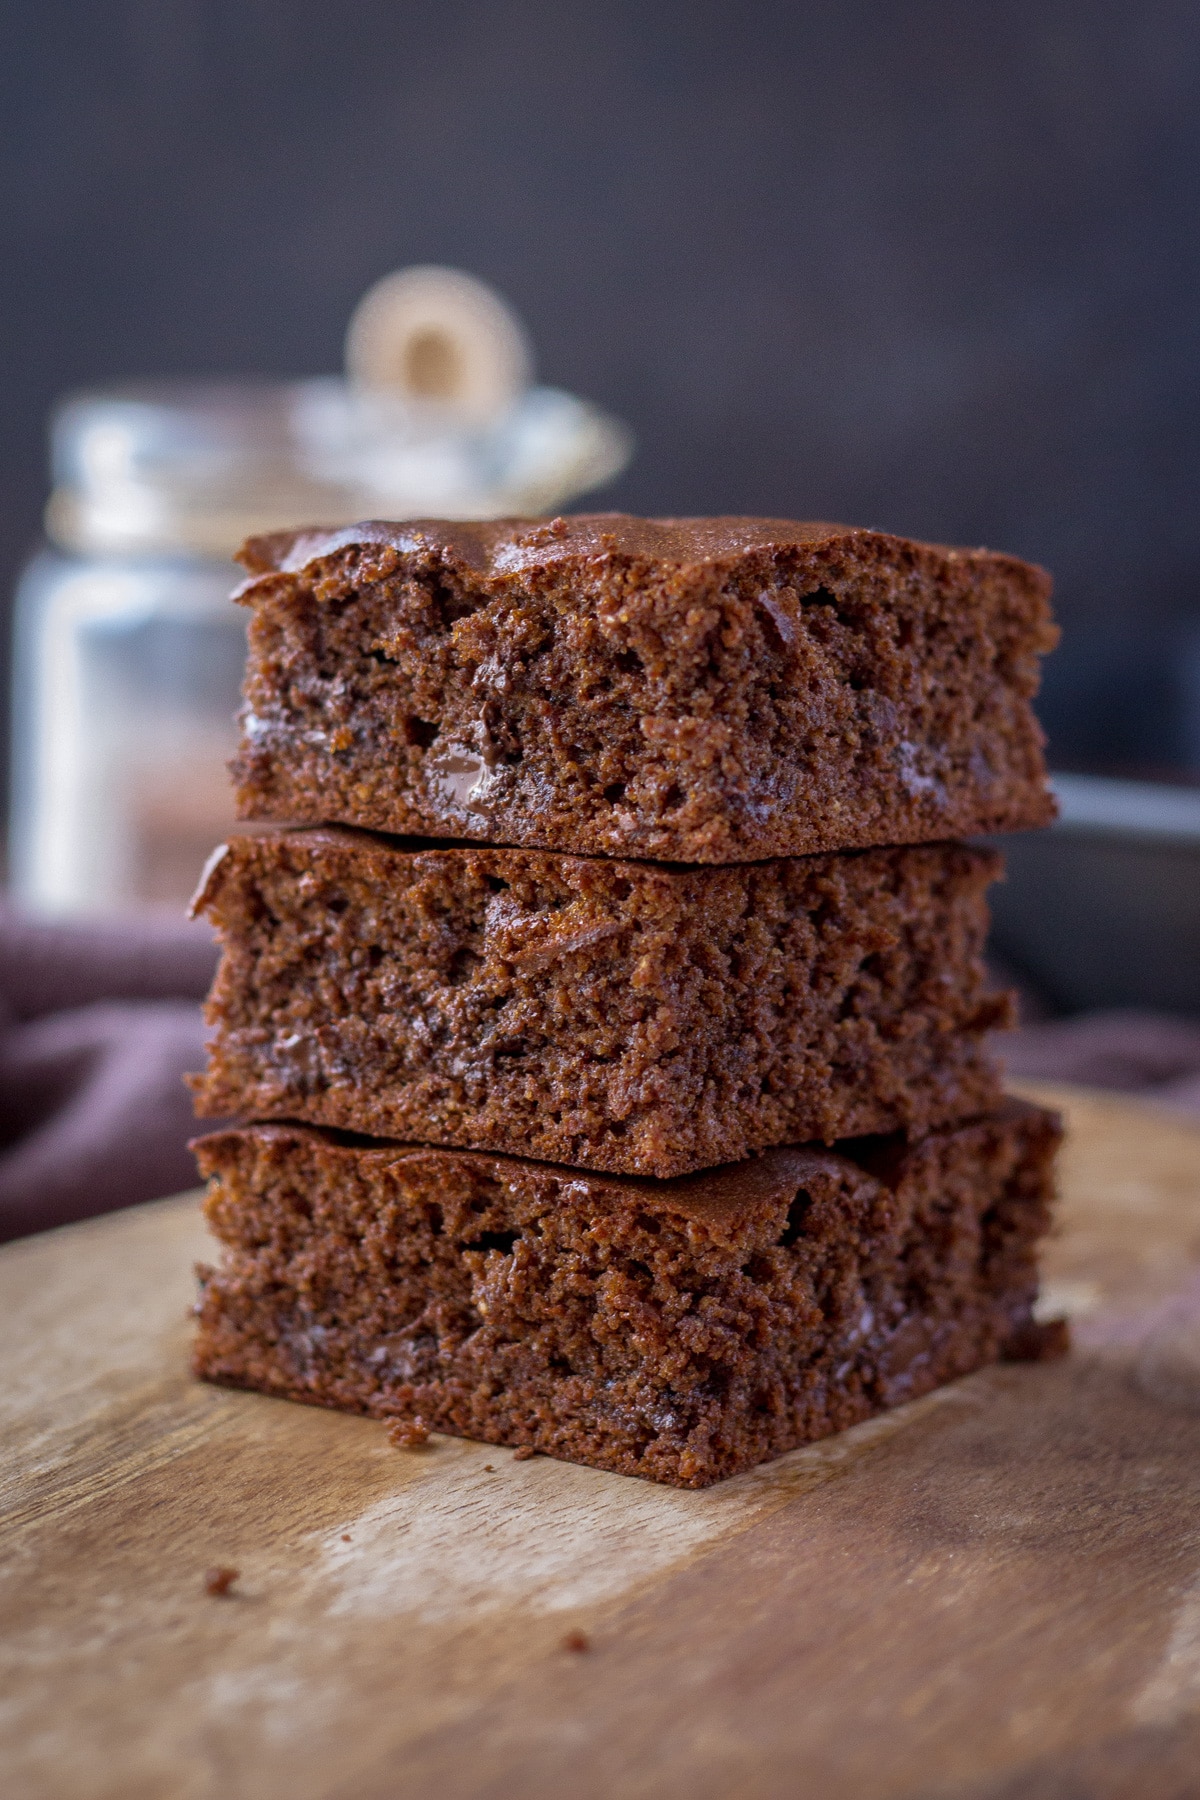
<point>929,265</point>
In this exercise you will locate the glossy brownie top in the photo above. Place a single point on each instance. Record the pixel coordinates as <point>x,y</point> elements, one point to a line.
<point>498,547</point>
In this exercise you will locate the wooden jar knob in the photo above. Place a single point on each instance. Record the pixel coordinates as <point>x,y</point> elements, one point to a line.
<point>439,338</point>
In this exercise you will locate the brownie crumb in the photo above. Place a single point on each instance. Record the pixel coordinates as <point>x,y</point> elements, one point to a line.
<point>1039,1343</point>
<point>576,1640</point>
<point>220,1581</point>
<point>408,1434</point>
<point>524,1453</point>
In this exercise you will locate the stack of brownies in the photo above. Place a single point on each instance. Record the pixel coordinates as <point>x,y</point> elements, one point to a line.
<point>611,1011</point>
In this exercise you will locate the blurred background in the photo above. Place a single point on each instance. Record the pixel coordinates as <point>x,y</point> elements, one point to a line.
<point>932,268</point>
<point>929,267</point>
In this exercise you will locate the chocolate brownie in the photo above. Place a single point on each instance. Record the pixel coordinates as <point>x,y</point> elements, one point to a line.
<point>678,1330</point>
<point>613,1015</point>
<point>692,690</point>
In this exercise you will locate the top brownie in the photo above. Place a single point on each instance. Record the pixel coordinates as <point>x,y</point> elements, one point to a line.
<point>687,690</point>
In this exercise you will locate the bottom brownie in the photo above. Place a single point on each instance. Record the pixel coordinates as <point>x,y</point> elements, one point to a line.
<point>680,1330</point>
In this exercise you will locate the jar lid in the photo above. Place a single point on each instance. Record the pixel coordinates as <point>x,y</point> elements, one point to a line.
<point>436,418</point>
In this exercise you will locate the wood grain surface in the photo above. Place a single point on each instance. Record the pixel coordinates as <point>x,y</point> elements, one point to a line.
<point>992,1592</point>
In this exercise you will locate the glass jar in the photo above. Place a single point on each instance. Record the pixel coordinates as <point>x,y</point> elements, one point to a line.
<point>128,676</point>
<point>128,652</point>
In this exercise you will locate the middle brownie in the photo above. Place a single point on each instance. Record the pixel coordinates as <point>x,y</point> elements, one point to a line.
<point>632,1017</point>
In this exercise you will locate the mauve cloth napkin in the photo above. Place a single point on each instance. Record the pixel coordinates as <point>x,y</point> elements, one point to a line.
<point>1146,1053</point>
<point>99,1022</point>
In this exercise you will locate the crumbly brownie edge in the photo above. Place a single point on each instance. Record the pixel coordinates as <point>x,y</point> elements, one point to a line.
<point>621,1323</point>
<point>800,689</point>
<point>602,1014</point>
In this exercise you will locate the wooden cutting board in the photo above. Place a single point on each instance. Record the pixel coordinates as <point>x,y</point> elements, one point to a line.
<point>993,1592</point>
